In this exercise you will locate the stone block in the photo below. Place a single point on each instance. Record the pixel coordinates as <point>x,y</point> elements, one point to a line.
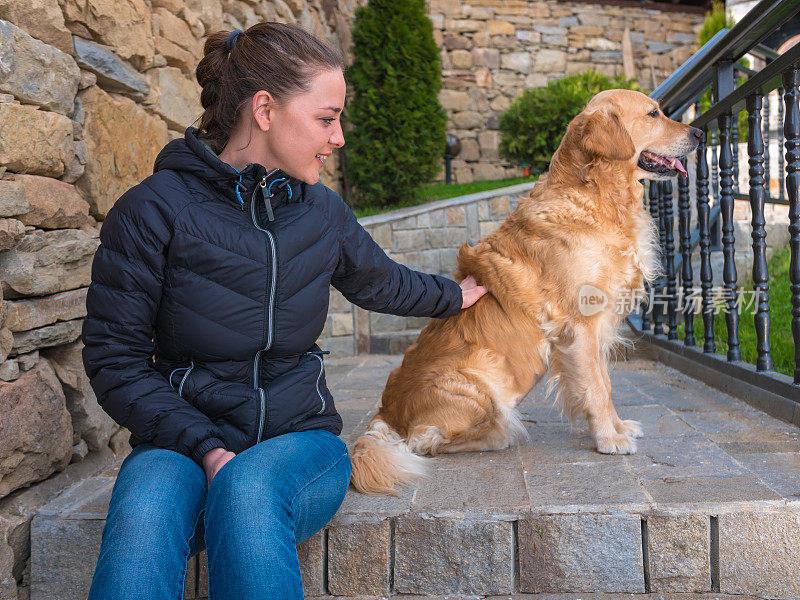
<point>405,223</point>
<point>124,25</point>
<point>342,324</point>
<point>53,204</point>
<point>36,431</point>
<point>11,232</point>
<point>12,198</point>
<point>679,549</point>
<point>456,215</point>
<point>38,312</point>
<point>34,141</point>
<point>46,262</point>
<point>549,61</point>
<point>453,556</point>
<point>468,119</point>
<point>358,559</point>
<point>409,240</point>
<point>580,553</point>
<point>430,261</point>
<point>759,552</point>
<point>113,74</point>
<point>311,554</point>
<point>109,120</point>
<point>496,27</point>
<point>453,100</point>
<point>488,227</point>
<point>455,237</point>
<point>89,421</point>
<point>45,337</point>
<point>461,59</point>
<point>486,57</point>
<point>35,72</point>
<point>174,96</point>
<point>42,19</point>
<point>382,234</point>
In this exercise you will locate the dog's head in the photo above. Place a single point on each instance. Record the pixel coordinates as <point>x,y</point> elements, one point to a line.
<point>627,126</point>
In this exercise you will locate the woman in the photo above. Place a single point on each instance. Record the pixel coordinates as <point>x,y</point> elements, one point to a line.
<point>208,292</point>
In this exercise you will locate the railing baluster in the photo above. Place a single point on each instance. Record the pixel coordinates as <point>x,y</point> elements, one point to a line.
<point>705,245</point>
<point>669,259</point>
<point>655,292</point>
<point>726,211</point>
<point>791,131</point>
<point>646,308</point>
<point>714,168</point>
<point>735,144</point>
<point>755,150</point>
<point>781,187</point>
<point>768,183</point>
<point>685,236</point>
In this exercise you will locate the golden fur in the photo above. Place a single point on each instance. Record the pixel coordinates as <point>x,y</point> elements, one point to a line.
<point>583,224</point>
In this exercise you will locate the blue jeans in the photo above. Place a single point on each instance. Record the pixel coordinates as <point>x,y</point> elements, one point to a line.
<point>260,504</point>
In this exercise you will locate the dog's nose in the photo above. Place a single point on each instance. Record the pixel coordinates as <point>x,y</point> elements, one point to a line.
<point>698,133</point>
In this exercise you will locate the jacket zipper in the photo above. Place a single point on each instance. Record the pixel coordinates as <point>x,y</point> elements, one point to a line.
<point>270,307</point>
<point>318,356</point>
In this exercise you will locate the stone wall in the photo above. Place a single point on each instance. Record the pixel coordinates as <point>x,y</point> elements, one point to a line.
<point>494,49</point>
<point>425,238</point>
<point>90,91</point>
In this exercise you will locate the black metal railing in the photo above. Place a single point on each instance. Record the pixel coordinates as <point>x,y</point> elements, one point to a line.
<point>716,190</point>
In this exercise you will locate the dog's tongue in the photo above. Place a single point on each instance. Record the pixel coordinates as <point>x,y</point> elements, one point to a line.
<point>677,165</point>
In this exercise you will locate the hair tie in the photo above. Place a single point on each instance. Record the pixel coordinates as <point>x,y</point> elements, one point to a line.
<point>232,38</point>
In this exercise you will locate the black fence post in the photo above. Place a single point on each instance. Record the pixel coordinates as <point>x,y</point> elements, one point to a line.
<point>791,132</point>
<point>685,237</point>
<point>755,150</point>
<point>705,245</point>
<point>723,87</point>
<point>658,284</point>
<point>669,259</point>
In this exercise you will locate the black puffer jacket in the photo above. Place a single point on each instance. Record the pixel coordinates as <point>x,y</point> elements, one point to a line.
<point>207,297</point>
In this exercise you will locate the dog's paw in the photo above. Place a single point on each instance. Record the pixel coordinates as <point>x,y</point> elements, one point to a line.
<point>632,429</point>
<point>616,444</point>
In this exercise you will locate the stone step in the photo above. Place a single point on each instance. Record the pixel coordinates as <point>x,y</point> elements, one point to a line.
<point>392,342</point>
<point>709,503</point>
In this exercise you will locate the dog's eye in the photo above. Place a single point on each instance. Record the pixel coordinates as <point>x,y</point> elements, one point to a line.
<point>653,114</point>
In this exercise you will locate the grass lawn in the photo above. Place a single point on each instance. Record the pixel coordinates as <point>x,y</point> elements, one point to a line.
<point>440,191</point>
<point>780,335</point>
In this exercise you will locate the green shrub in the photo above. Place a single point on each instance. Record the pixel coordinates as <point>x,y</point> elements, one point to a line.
<point>534,124</point>
<point>398,136</point>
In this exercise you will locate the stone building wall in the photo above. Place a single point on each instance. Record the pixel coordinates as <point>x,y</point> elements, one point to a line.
<point>493,49</point>
<point>90,91</point>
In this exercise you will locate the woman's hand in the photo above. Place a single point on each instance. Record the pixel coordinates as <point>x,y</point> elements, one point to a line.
<point>471,291</point>
<point>214,460</point>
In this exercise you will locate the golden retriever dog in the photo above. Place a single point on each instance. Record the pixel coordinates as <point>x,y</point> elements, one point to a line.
<point>558,270</point>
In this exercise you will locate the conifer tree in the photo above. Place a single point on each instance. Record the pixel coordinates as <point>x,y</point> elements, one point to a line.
<point>398,136</point>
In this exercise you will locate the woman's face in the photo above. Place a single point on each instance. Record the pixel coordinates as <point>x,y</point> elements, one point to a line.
<point>304,130</point>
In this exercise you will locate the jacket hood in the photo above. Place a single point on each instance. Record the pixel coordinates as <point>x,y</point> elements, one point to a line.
<point>190,155</point>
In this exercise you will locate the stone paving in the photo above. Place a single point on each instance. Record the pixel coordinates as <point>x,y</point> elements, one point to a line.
<point>709,503</point>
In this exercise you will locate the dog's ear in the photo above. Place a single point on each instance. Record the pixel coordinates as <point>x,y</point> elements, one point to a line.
<point>603,135</point>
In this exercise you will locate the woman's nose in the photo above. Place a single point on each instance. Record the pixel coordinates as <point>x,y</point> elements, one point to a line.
<point>337,138</point>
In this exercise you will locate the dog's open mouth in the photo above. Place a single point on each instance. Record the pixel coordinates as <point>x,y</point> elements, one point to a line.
<point>661,164</point>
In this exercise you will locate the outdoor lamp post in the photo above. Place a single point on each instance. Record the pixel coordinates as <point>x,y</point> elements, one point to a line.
<point>451,150</point>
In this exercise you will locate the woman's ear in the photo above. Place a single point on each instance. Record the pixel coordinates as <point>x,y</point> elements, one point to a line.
<point>263,109</point>
<point>603,135</point>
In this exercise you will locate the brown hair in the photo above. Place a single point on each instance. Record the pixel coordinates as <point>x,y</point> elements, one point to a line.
<point>276,57</point>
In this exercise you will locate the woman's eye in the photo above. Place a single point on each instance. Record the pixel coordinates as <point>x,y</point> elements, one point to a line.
<point>328,120</point>
<point>653,114</point>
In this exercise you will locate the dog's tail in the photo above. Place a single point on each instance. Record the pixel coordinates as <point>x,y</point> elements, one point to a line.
<point>381,459</point>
